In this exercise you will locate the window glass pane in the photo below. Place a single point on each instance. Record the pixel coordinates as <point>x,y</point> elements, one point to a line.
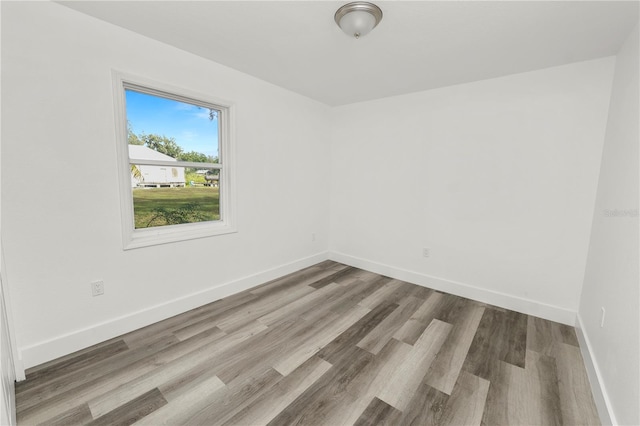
<point>174,129</point>
<point>173,204</point>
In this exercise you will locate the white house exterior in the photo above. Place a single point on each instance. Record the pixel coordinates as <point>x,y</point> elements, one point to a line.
<point>154,176</point>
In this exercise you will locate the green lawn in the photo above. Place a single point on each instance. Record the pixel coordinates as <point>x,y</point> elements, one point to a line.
<point>168,206</point>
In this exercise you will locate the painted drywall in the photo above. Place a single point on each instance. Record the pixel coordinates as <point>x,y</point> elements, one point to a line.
<point>612,277</point>
<point>61,217</point>
<point>7,369</point>
<point>496,178</point>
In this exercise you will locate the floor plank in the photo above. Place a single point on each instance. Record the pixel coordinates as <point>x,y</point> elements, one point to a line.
<point>518,399</point>
<point>300,305</point>
<point>576,400</point>
<point>80,415</point>
<point>320,338</point>
<point>182,407</point>
<point>425,408</point>
<point>466,404</point>
<point>420,320</point>
<point>335,349</point>
<point>382,294</point>
<point>443,373</point>
<point>377,338</point>
<point>133,410</point>
<point>379,413</point>
<point>239,394</point>
<point>501,336</point>
<point>409,372</point>
<point>542,334</point>
<point>286,391</point>
<point>268,302</point>
<point>316,406</point>
<point>337,277</point>
<point>543,369</point>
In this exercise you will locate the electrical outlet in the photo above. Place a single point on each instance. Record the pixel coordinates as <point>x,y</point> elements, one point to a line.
<point>602,312</point>
<point>313,236</point>
<point>97,288</point>
<point>426,252</point>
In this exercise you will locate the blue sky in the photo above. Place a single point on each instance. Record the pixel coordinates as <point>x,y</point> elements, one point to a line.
<point>188,124</point>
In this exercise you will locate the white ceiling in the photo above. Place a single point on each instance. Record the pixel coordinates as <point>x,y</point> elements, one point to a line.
<point>418,45</point>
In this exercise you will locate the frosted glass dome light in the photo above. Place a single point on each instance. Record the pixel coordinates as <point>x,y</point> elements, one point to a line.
<point>357,19</point>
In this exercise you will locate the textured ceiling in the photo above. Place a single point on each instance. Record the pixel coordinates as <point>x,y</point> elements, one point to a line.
<point>418,45</point>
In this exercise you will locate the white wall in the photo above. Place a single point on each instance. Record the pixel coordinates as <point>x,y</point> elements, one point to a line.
<point>61,218</point>
<point>612,277</point>
<point>7,370</point>
<point>497,177</point>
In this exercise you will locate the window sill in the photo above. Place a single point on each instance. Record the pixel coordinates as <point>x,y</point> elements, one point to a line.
<point>174,233</point>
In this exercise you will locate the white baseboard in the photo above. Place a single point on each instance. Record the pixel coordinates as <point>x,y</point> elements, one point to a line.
<point>600,395</point>
<point>30,356</point>
<point>19,368</point>
<point>58,346</point>
<point>507,301</point>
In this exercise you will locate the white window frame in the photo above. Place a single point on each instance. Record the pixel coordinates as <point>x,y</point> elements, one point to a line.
<point>134,238</point>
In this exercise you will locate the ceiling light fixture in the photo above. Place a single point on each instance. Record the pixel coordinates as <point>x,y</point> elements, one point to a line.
<point>357,19</point>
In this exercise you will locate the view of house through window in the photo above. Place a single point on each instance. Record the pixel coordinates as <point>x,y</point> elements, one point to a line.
<point>174,159</point>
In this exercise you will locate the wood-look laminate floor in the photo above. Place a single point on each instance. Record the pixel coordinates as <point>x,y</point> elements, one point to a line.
<point>327,345</point>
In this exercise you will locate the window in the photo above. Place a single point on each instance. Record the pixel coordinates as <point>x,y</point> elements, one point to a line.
<point>175,155</point>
